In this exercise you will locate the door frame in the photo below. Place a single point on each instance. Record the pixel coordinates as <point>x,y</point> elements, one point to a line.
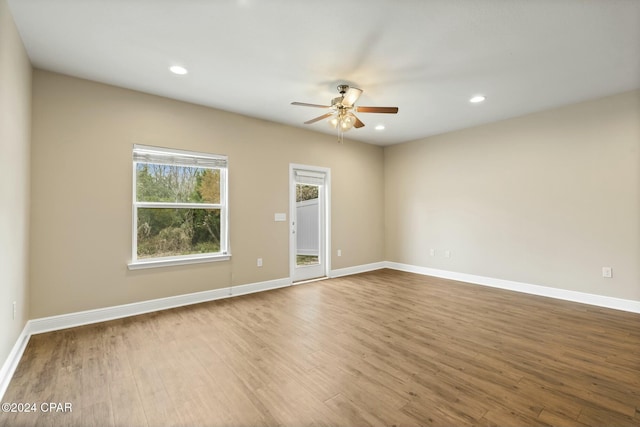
<point>325,243</point>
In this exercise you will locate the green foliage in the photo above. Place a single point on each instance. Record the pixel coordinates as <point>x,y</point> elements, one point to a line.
<point>306,192</point>
<point>209,186</point>
<point>306,259</point>
<point>177,231</point>
<point>170,183</point>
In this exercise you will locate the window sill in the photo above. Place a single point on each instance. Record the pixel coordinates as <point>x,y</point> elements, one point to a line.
<point>168,262</point>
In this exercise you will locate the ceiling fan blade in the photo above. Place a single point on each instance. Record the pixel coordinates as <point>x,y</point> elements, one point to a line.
<point>317,119</point>
<point>388,110</point>
<point>358,123</point>
<point>351,96</point>
<point>304,104</point>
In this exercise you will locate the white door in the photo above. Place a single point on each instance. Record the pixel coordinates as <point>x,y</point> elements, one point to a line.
<point>309,214</point>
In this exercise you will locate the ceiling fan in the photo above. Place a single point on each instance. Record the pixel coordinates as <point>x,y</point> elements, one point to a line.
<point>342,115</point>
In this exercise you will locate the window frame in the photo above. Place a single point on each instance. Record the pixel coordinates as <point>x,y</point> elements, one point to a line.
<point>155,155</point>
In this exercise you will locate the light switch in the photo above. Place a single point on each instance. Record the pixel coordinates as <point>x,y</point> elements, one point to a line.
<point>280,217</point>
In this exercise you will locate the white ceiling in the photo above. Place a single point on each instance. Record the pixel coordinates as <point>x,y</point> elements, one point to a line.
<point>428,58</point>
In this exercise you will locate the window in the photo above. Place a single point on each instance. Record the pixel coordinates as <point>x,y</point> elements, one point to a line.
<point>179,207</point>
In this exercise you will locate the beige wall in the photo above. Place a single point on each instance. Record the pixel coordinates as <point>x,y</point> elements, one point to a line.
<point>83,134</point>
<point>15,124</point>
<point>546,199</point>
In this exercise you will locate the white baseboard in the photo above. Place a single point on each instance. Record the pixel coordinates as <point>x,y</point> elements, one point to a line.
<point>545,291</point>
<point>260,286</point>
<point>70,320</point>
<point>80,318</point>
<point>10,365</point>
<point>357,269</point>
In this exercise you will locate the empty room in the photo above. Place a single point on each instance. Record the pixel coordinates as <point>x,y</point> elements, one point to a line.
<point>339,213</point>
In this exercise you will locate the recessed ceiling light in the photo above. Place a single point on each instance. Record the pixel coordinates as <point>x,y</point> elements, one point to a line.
<point>176,69</point>
<point>379,127</point>
<point>477,98</point>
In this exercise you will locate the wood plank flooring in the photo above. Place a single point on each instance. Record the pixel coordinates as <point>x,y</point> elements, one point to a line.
<point>384,348</point>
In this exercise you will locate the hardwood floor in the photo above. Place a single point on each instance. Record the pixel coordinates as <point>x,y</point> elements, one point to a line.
<point>384,348</point>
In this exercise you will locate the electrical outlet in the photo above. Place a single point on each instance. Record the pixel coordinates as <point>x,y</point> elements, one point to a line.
<point>607,272</point>
<point>259,262</point>
<point>339,252</point>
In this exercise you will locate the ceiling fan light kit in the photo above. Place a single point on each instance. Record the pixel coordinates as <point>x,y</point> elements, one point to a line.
<point>343,121</point>
<point>341,116</point>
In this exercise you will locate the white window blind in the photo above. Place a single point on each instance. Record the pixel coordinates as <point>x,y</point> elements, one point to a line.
<point>165,156</point>
<point>309,177</point>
